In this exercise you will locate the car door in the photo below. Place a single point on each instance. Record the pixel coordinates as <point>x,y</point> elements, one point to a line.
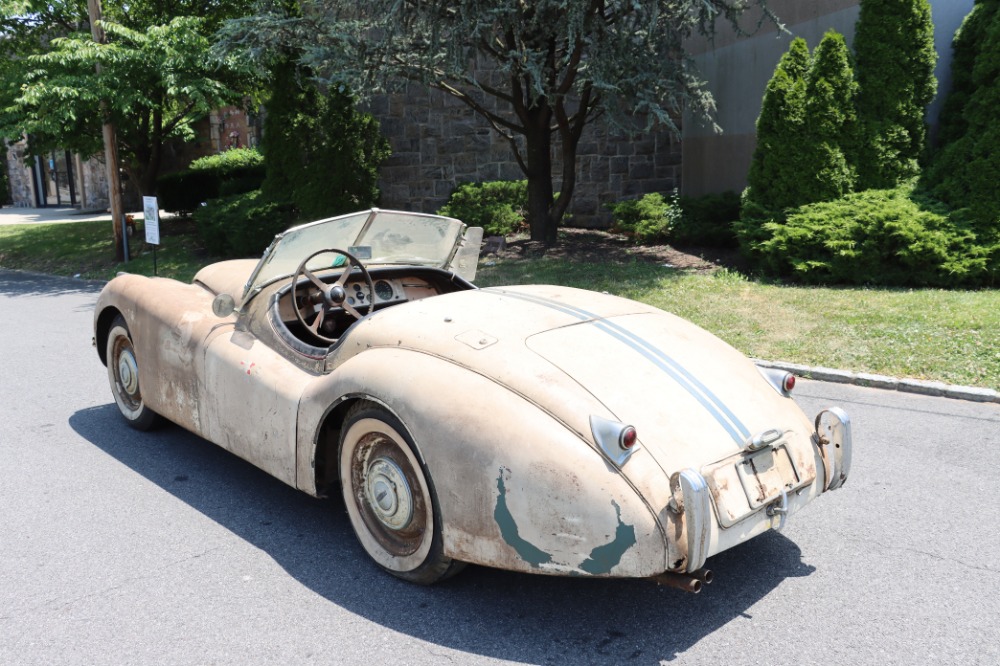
<point>250,398</point>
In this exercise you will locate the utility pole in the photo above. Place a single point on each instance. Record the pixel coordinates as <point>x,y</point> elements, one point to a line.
<point>110,143</point>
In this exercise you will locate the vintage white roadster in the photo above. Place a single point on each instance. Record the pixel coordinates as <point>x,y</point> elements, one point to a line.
<point>534,428</point>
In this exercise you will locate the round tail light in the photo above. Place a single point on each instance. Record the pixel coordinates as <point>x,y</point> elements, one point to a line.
<point>788,383</point>
<point>627,439</point>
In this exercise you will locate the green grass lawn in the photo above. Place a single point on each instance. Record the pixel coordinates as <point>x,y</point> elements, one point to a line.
<point>951,336</point>
<point>87,249</point>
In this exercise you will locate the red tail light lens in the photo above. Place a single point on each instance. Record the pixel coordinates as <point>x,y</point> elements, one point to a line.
<point>788,383</point>
<point>628,437</point>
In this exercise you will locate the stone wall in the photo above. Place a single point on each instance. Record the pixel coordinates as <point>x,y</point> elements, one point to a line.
<point>22,192</point>
<point>438,142</point>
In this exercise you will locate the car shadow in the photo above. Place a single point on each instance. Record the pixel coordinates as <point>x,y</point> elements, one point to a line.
<point>498,614</point>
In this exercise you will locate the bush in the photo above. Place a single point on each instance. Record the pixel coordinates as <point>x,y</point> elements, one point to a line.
<point>242,225</point>
<point>707,220</point>
<point>878,237</point>
<point>499,206</point>
<point>228,173</point>
<point>236,162</point>
<point>651,218</point>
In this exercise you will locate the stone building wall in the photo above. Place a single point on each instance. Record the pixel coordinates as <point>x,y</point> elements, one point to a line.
<point>438,142</point>
<point>94,176</point>
<point>22,192</point>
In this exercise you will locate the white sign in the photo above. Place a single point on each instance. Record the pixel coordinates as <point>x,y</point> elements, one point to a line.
<point>151,217</point>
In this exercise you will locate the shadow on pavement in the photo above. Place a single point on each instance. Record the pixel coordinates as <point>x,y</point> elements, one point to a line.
<point>519,617</point>
<point>19,283</point>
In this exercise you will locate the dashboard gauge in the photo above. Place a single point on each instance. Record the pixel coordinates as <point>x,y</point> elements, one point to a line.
<point>384,290</point>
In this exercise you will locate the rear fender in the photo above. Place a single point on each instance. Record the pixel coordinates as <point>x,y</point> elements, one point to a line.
<point>516,488</point>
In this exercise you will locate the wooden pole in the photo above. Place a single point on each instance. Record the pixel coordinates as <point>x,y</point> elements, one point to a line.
<point>110,144</point>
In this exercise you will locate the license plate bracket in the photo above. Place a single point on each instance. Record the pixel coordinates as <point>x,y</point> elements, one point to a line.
<point>765,474</point>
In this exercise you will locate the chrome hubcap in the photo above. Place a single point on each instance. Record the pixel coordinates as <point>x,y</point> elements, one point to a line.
<point>128,372</point>
<point>388,494</point>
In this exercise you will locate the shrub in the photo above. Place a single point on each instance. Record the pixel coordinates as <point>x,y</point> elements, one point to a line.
<point>651,218</point>
<point>499,206</point>
<point>878,237</point>
<point>182,192</point>
<point>230,172</point>
<point>235,162</point>
<point>242,225</point>
<point>707,220</point>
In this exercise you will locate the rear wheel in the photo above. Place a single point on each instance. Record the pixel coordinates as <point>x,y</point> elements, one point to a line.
<point>389,497</point>
<point>123,375</point>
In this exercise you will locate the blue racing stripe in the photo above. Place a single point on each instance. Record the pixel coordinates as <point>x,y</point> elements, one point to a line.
<point>722,414</point>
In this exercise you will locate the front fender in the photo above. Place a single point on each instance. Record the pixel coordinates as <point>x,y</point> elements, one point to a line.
<point>516,488</point>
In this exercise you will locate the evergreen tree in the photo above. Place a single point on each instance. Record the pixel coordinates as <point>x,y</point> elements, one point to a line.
<point>894,48</point>
<point>775,181</point>
<point>321,153</point>
<point>966,171</point>
<point>965,47</point>
<point>830,144</point>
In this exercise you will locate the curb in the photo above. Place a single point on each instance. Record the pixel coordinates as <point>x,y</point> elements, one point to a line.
<point>918,386</point>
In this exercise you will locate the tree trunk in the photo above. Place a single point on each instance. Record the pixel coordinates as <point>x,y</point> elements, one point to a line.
<point>538,150</point>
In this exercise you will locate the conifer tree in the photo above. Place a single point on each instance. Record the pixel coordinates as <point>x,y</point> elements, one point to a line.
<point>775,181</point>
<point>966,171</point>
<point>894,49</point>
<point>831,144</point>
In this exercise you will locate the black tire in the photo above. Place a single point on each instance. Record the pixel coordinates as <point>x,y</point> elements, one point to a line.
<point>123,375</point>
<point>389,497</point>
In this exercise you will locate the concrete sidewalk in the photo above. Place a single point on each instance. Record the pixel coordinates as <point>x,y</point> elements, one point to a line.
<point>54,215</point>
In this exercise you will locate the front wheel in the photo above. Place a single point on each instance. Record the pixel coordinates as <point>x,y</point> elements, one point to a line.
<point>123,375</point>
<point>389,498</point>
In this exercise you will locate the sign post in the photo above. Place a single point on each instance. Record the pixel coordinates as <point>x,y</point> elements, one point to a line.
<point>151,221</point>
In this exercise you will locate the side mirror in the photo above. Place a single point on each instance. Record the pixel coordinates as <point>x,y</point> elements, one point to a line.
<point>223,305</point>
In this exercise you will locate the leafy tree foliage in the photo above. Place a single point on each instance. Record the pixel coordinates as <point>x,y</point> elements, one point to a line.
<point>156,75</point>
<point>894,47</point>
<point>538,72</point>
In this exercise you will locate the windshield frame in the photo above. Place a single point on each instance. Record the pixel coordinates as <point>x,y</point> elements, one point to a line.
<point>445,226</point>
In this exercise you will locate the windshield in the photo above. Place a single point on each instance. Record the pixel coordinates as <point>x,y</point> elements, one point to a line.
<point>373,236</point>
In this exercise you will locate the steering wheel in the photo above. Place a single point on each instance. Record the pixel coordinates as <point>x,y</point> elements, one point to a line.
<point>330,296</point>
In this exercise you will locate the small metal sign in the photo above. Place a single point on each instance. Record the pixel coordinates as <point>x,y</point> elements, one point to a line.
<point>151,218</point>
